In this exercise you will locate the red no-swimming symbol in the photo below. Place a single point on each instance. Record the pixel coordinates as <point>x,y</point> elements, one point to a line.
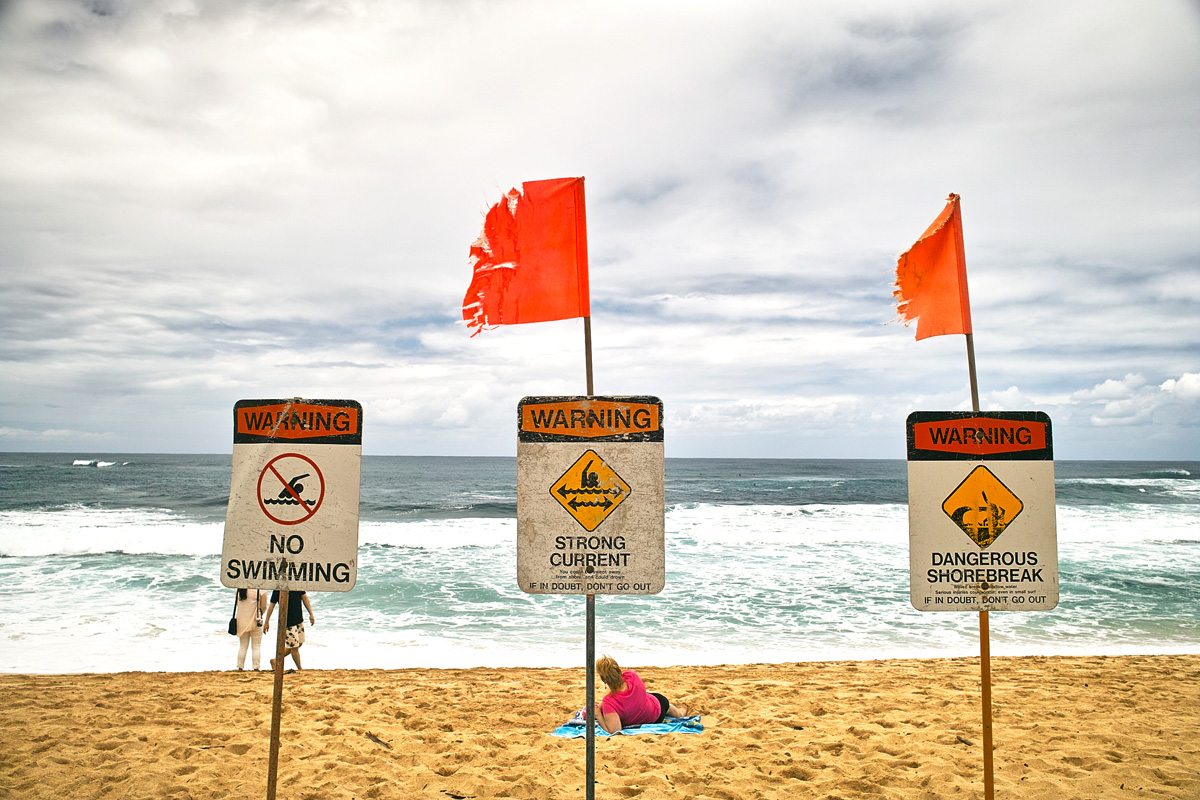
<point>290,488</point>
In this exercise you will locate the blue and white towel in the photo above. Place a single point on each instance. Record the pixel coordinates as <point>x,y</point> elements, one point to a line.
<point>576,727</point>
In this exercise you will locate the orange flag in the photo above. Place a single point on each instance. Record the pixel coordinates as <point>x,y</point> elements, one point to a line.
<point>530,262</point>
<point>931,278</point>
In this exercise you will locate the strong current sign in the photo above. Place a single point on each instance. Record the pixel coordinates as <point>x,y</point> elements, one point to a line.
<point>981,511</point>
<point>590,495</point>
<point>292,519</point>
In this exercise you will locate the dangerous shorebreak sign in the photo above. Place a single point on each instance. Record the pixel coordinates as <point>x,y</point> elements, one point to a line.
<point>590,495</point>
<point>981,513</point>
<point>292,519</point>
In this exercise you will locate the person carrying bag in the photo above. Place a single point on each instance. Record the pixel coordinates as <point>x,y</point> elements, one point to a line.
<point>247,624</point>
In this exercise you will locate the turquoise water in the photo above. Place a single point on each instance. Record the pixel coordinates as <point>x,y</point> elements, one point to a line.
<point>111,562</point>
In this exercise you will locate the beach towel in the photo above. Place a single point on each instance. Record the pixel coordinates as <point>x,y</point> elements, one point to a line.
<point>575,728</point>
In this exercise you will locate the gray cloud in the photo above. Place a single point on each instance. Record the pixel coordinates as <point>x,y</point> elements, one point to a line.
<point>201,202</point>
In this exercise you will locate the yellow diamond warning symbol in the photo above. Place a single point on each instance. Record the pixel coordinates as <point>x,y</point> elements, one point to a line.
<point>590,490</point>
<point>982,506</point>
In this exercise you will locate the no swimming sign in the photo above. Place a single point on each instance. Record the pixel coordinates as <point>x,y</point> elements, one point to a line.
<point>292,520</point>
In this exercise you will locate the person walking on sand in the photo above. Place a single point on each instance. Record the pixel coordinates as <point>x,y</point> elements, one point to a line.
<point>295,623</point>
<point>249,610</point>
<point>627,702</point>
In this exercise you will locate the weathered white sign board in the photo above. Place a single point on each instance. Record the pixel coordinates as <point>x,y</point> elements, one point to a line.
<point>292,519</point>
<point>590,495</point>
<point>981,513</point>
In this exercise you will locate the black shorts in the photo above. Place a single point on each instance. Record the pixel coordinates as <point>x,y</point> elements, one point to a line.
<point>663,705</point>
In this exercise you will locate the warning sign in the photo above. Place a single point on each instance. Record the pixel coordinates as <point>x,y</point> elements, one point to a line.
<point>981,511</point>
<point>981,517</point>
<point>292,519</point>
<point>590,495</point>
<point>590,490</point>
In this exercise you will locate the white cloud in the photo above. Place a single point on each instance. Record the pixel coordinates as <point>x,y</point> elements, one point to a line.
<point>1112,390</point>
<point>1186,388</point>
<point>204,202</point>
<point>1132,401</point>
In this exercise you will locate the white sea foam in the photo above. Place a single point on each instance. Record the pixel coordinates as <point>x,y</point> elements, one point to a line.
<point>1129,525</point>
<point>139,589</point>
<point>77,531</point>
<point>438,534</point>
<point>1188,491</point>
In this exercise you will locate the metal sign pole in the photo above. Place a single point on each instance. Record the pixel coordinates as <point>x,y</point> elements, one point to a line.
<point>985,649</point>
<point>587,353</point>
<point>590,646</point>
<point>562,445</point>
<point>590,758</point>
<point>277,700</point>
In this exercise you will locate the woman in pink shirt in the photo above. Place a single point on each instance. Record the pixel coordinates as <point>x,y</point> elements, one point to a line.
<point>627,702</point>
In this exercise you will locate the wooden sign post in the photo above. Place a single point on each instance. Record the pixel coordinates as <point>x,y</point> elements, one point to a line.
<point>982,533</point>
<point>292,520</point>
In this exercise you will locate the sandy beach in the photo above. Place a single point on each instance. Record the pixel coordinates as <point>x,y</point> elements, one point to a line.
<point>1065,727</point>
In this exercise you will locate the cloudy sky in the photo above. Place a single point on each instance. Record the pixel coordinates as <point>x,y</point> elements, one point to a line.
<point>202,202</point>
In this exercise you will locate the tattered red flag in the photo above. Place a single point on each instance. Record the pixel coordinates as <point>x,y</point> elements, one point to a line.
<point>530,262</point>
<point>931,278</point>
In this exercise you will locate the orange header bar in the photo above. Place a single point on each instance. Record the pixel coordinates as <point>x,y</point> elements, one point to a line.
<point>296,421</point>
<point>979,436</point>
<point>590,419</point>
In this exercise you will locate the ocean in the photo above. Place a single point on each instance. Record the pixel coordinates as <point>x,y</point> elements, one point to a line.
<point>111,563</point>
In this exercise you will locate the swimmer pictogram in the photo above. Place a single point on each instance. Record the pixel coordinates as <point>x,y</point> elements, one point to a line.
<point>281,485</point>
<point>289,495</point>
<point>590,490</point>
